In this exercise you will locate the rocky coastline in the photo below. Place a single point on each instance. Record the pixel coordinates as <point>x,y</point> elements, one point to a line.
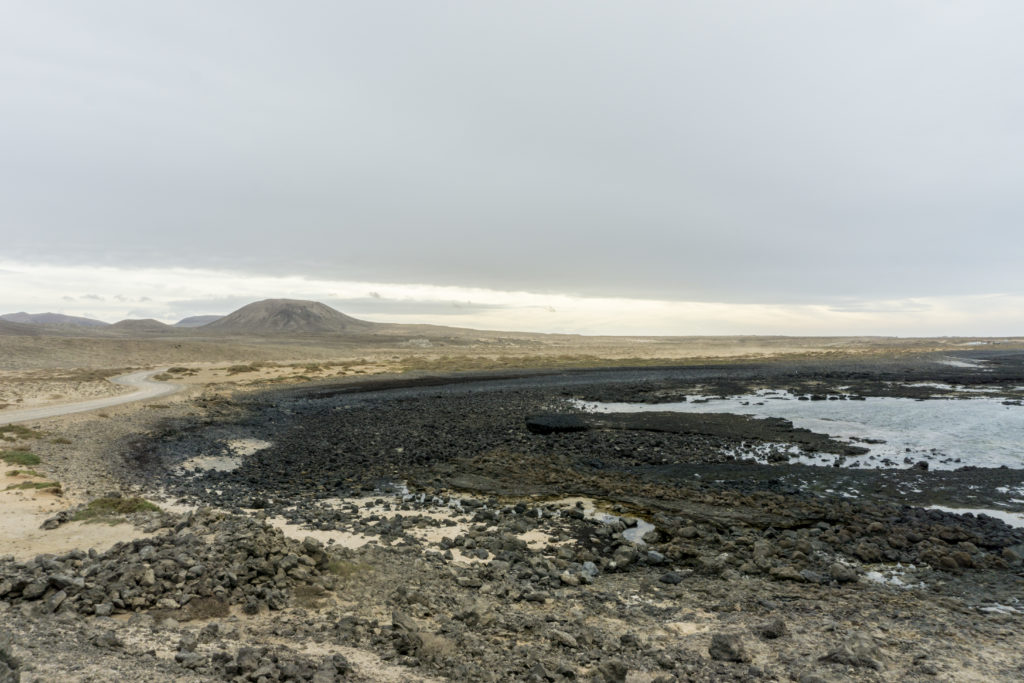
<point>483,528</point>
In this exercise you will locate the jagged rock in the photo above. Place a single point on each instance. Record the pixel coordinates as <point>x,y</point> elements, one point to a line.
<point>10,667</point>
<point>556,424</point>
<point>613,671</point>
<point>728,647</point>
<point>62,517</point>
<point>563,639</point>
<point>857,651</point>
<point>842,573</point>
<point>776,628</point>
<point>671,578</point>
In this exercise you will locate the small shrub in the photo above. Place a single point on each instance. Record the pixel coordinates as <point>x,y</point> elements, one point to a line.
<point>177,370</point>
<point>26,485</point>
<point>309,597</point>
<point>344,569</point>
<point>15,432</point>
<point>236,369</point>
<point>60,441</point>
<point>19,458</point>
<point>23,473</point>
<point>106,509</point>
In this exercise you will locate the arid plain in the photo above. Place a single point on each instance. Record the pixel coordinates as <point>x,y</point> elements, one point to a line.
<point>431,531</point>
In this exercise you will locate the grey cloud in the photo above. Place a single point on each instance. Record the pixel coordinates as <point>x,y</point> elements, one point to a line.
<point>371,306</point>
<point>880,307</point>
<point>774,152</point>
<point>211,306</point>
<point>367,307</point>
<point>142,313</point>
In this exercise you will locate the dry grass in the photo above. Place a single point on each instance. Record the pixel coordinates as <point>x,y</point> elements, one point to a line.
<point>23,473</point>
<point>239,369</point>
<point>110,509</point>
<point>346,570</point>
<point>19,433</point>
<point>19,458</point>
<point>36,485</point>
<point>309,597</point>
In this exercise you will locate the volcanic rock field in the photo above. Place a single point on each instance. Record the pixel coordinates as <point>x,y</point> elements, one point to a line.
<point>481,527</point>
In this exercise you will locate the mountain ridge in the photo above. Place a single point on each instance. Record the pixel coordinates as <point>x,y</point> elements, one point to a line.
<point>197,320</point>
<point>287,316</point>
<point>51,319</point>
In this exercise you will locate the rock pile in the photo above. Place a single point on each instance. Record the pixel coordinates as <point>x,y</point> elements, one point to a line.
<point>205,560</point>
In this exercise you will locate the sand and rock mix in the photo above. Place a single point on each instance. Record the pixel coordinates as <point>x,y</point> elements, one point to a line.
<point>483,528</point>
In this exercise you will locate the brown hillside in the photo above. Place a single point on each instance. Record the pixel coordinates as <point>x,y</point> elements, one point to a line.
<point>287,316</point>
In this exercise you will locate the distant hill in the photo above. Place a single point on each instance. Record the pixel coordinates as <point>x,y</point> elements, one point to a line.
<point>51,319</point>
<point>197,320</point>
<point>288,316</point>
<point>144,325</point>
<point>18,329</point>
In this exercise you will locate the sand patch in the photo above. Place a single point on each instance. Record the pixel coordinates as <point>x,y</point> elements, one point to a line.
<point>21,390</point>
<point>22,512</point>
<point>537,539</point>
<point>341,539</point>
<point>239,449</point>
<point>685,628</point>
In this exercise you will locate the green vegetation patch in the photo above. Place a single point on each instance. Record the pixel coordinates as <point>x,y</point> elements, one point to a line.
<point>309,597</point>
<point>19,458</point>
<point>345,570</point>
<point>237,369</point>
<point>108,509</point>
<point>60,440</point>
<point>16,432</point>
<point>23,473</point>
<point>26,485</point>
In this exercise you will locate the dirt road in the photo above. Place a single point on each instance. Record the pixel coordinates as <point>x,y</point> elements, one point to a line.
<point>146,389</point>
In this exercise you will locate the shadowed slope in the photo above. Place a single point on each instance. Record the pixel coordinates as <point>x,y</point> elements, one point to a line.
<point>287,316</point>
<point>197,320</point>
<point>52,319</point>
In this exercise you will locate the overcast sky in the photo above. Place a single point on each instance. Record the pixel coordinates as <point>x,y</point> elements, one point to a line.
<point>671,167</point>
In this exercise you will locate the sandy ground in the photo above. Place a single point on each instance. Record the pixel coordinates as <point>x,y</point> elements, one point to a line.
<point>47,371</point>
<point>52,372</point>
<point>22,512</point>
<point>30,389</point>
<point>40,371</point>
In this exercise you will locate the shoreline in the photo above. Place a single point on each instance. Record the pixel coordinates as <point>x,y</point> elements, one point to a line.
<point>741,576</point>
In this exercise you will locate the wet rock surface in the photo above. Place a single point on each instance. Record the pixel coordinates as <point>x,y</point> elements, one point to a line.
<point>455,533</point>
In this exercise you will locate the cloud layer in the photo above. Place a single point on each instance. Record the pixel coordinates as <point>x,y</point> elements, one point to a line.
<point>170,294</point>
<point>790,153</point>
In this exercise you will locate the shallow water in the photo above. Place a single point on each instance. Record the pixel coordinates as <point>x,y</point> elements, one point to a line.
<point>946,433</point>
<point>1012,518</point>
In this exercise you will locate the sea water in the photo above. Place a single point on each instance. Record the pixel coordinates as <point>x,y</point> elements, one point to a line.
<point>946,433</point>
